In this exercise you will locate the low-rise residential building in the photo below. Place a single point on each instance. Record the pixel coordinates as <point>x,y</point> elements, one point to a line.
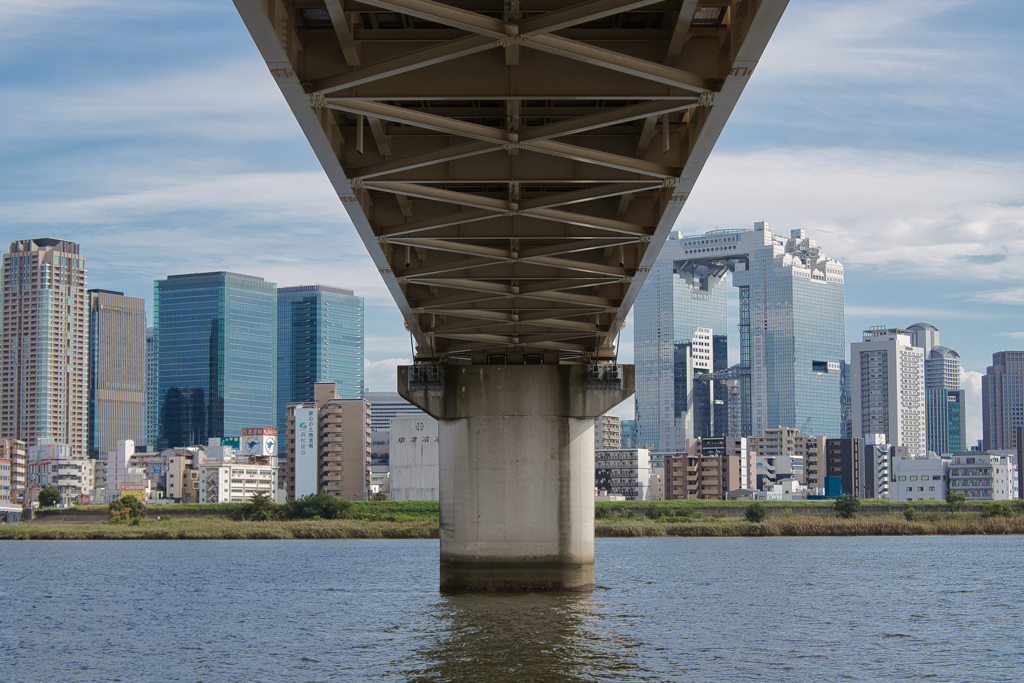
<point>13,470</point>
<point>414,459</point>
<point>784,453</point>
<point>707,468</point>
<point>624,472</point>
<point>53,465</point>
<point>786,490</point>
<point>919,479</point>
<point>982,476</point>
<point>227,476</point>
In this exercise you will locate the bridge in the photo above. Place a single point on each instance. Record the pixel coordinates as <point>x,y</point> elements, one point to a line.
<point>513,168</point>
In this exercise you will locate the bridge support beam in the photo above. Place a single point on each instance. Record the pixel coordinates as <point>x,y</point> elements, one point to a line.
<point>516,472</point>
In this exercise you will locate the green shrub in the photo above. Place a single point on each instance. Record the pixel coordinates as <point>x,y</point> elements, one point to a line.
<point>655,512</point>
<point>956,500</point>
<point>317,506</point>
<point>260,516</point>
<point>49,497</point>
<point>126,508</point>
<point>846,507</point>
<point>756,512</point>
<point>997,508</point>
<point>909,514</point>
<point>602,512</point>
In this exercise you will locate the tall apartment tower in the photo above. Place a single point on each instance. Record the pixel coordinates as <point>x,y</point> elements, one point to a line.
<point>792,337</point>
<point>1002,400</point>
<point>945,400</point>
<point>215,341</point>
<point>887,381</point>
<point>681,330</point>
<point>152,402</point>
<point>44,360</point>
<point>117,371</point>
<point>319,339</point>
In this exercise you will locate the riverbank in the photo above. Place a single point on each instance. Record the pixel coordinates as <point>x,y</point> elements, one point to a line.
<point>209,528</point>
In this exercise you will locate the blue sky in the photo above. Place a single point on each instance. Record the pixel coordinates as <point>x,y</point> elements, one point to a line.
<point>892,131</point>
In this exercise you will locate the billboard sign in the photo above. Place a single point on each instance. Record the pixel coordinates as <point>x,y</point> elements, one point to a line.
<point>305,450</point>
<point>231,442</point>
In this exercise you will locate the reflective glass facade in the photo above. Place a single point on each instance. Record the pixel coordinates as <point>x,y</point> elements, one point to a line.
<point>681,321</point>
<point>215,348</point>
<point>319,339</point>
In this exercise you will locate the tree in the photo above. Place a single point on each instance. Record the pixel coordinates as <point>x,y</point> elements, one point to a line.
<point>956,500</point>
<point>322,505</point>
<point>260,508</point>
<point>997,508</point>
<point>910,514</point>
<point>756,512</point>
<point>846,507</point>
<point>49,496</point>
<point>380,495</point>
<point>126,508</point>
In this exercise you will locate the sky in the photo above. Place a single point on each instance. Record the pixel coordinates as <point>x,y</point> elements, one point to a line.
<point>892,131</point>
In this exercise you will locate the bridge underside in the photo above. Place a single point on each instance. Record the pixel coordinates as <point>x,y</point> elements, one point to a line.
<point>513,168</point>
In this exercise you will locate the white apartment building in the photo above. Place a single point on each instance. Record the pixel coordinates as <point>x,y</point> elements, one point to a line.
<point>919,479</point>
<point>982,476</point>
<point>53,465</point>
<point>624,472</point>
<point>228,477</point>
<point>887,381</point>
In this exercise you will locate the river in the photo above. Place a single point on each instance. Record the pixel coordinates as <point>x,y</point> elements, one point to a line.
<point>666,609</point>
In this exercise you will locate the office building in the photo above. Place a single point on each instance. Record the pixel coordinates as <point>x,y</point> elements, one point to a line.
<point>216,355</point>
<point>919,479</point>
<point>982,476</point>
<point>319,339</point>
<point>386,405</point>
<point>414,459</point>
<point>945,400</point>
<point>117,371</point>
<point>792,338</point>
<point>607,432</point>
<point>628,434</point>
<point>887,377</point>
<point>231,477</point>
<point>623,472</point>
<point>44,359</point>
<point>327,446</point>
<point>1002,400</point>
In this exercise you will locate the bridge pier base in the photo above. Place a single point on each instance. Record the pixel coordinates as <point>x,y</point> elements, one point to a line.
<point>516,472</point>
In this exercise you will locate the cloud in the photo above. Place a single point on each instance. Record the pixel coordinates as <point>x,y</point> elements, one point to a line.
<point>381,375</point>
<point>905,213</point>
<point>1011,335</point>
<point>881,313</point>
<point>1001,296</point>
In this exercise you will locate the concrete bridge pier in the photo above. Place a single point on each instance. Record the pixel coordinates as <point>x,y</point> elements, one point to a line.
<point>516,469</point>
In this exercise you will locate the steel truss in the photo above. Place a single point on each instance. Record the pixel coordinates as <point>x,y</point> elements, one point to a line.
<point>513,167</point>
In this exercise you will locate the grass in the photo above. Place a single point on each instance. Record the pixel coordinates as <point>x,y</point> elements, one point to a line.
<point>209,528</point>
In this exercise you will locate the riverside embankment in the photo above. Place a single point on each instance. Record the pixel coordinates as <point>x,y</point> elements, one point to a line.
<point>379,520</point>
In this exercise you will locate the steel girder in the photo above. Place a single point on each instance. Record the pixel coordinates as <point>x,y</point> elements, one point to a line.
<point>512,166</point>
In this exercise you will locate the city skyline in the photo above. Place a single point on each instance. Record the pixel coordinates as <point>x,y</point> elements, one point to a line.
<point>170,150</point>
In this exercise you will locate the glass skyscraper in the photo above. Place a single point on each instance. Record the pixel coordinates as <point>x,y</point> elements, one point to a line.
<point>319,339</point>
<point>792,338</point>
<point>215,348</point>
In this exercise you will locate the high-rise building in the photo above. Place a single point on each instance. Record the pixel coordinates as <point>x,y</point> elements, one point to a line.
<point>607,432</point>
<point>681,329</point>
<point>888,388</point>
<point>44,360</point>
<point>152,399</point>
<point>1002,400</point>
<point>319,339</point>
<point>216,355</point>
<point>386,405</point>
<point>792,337</point>
<point>117,371</point>
<point>945,401</point>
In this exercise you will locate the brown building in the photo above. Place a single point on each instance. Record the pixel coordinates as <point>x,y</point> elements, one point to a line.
<point>343,445</point>
<point>117,371</point>
<point>43,382</point>
<point>190,486</point>
<point>13,471</point>
<point>708,469</point>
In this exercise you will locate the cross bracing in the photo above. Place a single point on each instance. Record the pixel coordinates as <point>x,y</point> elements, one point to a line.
<point>512,167</point>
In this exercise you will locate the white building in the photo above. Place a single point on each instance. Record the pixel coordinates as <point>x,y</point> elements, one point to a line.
<point>919,479</point>
<point>983,476</point>
<point>228,477</point>
<point>887,382</point>
<point>625,472</point>
<point>53,465</point>
<point>414,458</point>
<point>787,490</point>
